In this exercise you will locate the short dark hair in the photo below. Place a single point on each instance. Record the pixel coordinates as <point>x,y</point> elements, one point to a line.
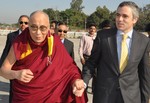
<point>105,23</point>
<point>61,23</point>
<point>54,21</point>
<point>23,16</point>
<point>92,24</point>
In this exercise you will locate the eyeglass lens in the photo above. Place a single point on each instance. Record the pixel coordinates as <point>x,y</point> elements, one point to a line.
<point>35,28</point>
<point>62,31</point>
<point>21,22</point>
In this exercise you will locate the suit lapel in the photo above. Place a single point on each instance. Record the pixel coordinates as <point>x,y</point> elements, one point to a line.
<point>134,46</point>
<point>113,49</point>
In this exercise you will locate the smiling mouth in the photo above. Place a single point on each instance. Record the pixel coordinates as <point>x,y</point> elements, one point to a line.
<point>38,38</point>
<point>120,24</point>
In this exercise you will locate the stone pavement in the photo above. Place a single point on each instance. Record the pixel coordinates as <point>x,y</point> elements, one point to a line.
<point>4,84</point>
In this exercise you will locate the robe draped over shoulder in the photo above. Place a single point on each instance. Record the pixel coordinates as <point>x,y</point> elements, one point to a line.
<point>53,75</point>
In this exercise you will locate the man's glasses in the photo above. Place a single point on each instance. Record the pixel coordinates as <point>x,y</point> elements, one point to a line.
<point>62,31</point>
<point>21,22</point>
<point>35,28</point>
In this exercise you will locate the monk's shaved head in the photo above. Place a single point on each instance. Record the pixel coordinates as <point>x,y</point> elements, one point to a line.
<point>40,16</point>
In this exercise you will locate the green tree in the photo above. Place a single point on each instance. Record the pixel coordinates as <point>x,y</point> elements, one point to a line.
<point>77,5</point>
<point>144,18</point>
<point>73,18</point>
<point>53,14</point>
<point>99,15</point>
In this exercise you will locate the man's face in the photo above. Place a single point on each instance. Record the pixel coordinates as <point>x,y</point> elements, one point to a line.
<point>52,28</point>
<point>62,30</point>
<point>39,26</point>
<point>92,30</point>
<point>124,19</point>
<point>23,23</point>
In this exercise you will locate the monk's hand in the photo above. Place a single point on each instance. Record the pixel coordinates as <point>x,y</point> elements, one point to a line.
<point>78,87</point>
<point>24,75</point>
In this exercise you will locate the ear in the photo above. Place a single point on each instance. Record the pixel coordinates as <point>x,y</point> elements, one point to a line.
<point>135,20</point>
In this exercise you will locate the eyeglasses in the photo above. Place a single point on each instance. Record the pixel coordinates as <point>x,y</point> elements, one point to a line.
<point>21,22</point>
<point>62,31</point>
<point>35,28</point>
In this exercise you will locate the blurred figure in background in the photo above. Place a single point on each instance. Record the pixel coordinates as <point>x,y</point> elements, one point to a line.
<point>62,30</point>
<point>53,26</point>
<point>22,23</point>
<point>106,24</point>
<point>86,45</point>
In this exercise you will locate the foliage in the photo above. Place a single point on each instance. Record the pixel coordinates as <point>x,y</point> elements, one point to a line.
<point>53,14</point>
<point>76,5</point>
<point>144,18</point>
<point>99,15</point>
<point>76,19</point>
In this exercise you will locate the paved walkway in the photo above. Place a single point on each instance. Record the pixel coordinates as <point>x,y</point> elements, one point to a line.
<point>4,84</point>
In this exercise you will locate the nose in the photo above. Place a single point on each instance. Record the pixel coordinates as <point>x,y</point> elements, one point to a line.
<point>38,31</point>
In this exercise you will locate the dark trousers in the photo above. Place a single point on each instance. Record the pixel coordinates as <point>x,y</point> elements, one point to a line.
<point>10,92</point>
<point>114,97</point>
<point>86,57</point>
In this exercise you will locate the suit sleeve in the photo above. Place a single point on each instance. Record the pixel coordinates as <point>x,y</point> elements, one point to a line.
<point>72,54</point>
<point>92,62</point>
<point>6,49</point>
<point>145,75</point>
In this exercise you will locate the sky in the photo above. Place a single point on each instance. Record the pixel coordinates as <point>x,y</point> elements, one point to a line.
<point>10,10</point>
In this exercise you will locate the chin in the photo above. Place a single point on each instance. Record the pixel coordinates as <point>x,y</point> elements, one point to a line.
<point>120,28</point>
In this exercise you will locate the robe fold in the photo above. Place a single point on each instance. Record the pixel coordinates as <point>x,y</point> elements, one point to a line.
<point>53,75</point>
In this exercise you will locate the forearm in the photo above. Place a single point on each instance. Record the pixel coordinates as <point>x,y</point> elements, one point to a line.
<point>8,74</point>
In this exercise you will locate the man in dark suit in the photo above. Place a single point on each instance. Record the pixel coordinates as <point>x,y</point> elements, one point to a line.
<point>62,31</point>
<point>23,23</point>
<point>115,84</point>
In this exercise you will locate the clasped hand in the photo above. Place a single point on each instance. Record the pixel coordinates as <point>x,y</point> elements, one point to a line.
<point>24,75</point>
<point>78,87</point>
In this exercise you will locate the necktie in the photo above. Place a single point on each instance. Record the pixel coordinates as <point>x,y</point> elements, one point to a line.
<point>124,53</point>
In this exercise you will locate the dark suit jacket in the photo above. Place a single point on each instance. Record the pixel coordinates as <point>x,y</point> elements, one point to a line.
<point>10,38</point>
<point>69,47</point>
<point>133,82</point>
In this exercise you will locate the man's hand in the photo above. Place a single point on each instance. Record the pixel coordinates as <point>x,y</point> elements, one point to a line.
<point>82,61</point>
<point>24,75</point>
<point>78,87</point>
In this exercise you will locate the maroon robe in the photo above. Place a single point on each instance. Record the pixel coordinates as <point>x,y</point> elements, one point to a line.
<point>52,83</point>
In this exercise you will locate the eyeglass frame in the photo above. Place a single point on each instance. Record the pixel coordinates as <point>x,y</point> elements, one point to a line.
<point>21,22</point>
<point>40,28</point>
<point>64,31</point>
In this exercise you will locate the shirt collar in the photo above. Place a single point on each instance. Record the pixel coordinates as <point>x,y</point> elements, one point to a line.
<point>119,32</point>
<point>20,31</point>
<point>62,40</point>
<point>91,35</point>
